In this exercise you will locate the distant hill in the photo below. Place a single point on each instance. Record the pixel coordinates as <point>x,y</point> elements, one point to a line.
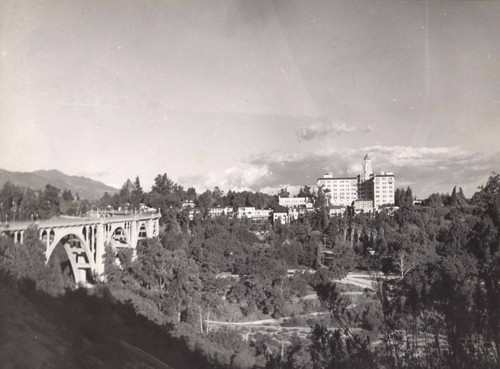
<point>87,188</point>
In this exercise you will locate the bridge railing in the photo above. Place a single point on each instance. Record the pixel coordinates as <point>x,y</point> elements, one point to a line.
<point>100,213</point>
<point>5,226</point>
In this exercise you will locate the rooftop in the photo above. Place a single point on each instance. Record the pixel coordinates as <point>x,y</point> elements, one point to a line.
<point>337,178</point>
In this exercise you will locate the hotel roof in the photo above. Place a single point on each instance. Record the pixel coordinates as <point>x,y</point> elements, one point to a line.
<point>338,178</point>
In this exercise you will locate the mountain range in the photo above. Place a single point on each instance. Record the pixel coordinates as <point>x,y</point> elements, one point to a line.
<point>87,188</point>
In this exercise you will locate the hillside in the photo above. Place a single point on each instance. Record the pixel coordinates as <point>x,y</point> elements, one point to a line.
<point>82,330</point>
<point>27,337</point>
<point>87,188</point>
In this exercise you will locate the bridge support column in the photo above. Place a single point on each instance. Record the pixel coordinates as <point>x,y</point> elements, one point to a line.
<point>88,236</point>
<point>22,236</point>
<point>130,234</point>
<point>134,238</point>
<point>149,228</point>
<point>92,238</point>
<point>83,275</point>
<point>133,235</point>
<point>99,250</point>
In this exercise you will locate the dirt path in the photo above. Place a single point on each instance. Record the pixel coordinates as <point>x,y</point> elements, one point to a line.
<point>264,321</point>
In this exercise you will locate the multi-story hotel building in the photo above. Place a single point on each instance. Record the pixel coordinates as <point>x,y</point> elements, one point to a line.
<point>383,188</point>
<point>341,191</point>
<point>377,188</point>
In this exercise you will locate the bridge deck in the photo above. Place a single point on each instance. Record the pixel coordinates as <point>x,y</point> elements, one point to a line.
<point>76,221</point>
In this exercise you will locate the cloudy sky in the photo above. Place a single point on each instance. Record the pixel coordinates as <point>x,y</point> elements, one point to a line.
<point>252,94</point>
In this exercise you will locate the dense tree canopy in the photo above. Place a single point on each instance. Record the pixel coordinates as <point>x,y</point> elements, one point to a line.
<point>440,308</point>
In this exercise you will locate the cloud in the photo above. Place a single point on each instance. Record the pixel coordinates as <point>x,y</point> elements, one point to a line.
<point>93,174</point>
<point>293,190</point>
<point>425,169</point>
<point>320,131</point>
<point>234,178</point>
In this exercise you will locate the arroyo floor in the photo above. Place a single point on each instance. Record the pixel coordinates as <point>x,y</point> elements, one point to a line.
<point>354,284</point>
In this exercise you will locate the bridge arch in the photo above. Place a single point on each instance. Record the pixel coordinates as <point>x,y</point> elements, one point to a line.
<point>70,252</point>
<point>47,233</point>
<point>142,230</point>
<point>118,235</point>
<point>91,234</point>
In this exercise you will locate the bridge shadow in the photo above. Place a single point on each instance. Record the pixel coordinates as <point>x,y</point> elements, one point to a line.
<point>100,332</point>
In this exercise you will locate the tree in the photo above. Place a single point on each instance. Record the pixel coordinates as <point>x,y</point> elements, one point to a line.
<point>112,271</point>
<point>342,258</point>
<point>404,263</point>
<point>154,265</point>
<point>171,278</point>
<point>265,287</point>
<point>435,200</point>
<point>125,194</point>
<point>137,194</point>
<point>67,195</point>
<point>27,262</point>
<point>321,216</point>
<point>284,192</point>
<point>402,198</point>
<point>484,244</point>
<point>11,202</point>
<point>305,192</point>
<point>205,201</point>
<point>329,350</point>
<point>51,194</point>
<point>52,280</point>
<point>49,204</point>
<point>217,194</point>
<point>162,185</point>
<point>107,200</point>
<point>461,199</point>
<point>191,194</point>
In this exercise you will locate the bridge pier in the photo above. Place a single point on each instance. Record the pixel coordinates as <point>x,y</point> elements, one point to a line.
<point>99,250</point>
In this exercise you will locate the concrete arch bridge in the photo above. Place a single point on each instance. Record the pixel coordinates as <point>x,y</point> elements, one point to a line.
<point>84,239</point>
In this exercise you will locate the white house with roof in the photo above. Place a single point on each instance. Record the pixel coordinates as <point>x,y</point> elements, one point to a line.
<point>293,202</point>
<point>220,211</point>
<point>281,218</point>
<point>252,213</point>
<point>337,210</point>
